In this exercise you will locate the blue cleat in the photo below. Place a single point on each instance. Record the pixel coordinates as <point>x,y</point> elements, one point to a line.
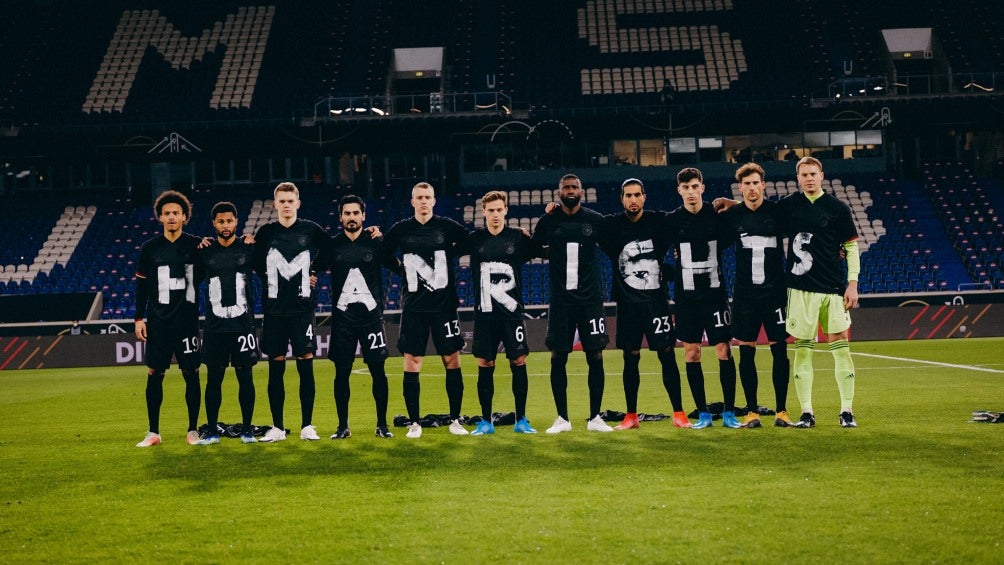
<point>523,427</point>
<point>484,427</point>
<point>209,440</point>
<point>703,421</point>
<point>729,420</point>
<point>248,438</point>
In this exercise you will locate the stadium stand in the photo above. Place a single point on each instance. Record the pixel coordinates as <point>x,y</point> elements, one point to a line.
<point>253,70</point>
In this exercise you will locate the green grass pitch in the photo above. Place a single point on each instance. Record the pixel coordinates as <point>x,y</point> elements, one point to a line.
<point>916,482</point>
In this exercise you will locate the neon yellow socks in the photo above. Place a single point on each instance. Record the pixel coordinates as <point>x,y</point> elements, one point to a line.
<point>804,373</point>
<point>843,371</point>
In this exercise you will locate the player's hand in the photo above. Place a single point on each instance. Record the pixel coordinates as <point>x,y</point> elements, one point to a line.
<point>374,231</point>
<point>313,280</point>
<point>141,330</point>
<point>851,295</point>
<point>550,207</point>
<point>722,204</point>
<point>249,238</point>
<point>525,231</point>
<point>206,242</point>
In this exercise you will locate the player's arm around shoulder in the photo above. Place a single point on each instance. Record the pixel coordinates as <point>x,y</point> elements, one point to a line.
<point>722,204</point>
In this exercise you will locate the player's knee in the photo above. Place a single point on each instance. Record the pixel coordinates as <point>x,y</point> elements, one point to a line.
<point>412,363</point>
<point>518,362</point>
<point>594,359</point>
<point>632,357</point>
<point>452,361</point>
<point>692,352</point>
<point>558,358</point>
<point>723,351</point>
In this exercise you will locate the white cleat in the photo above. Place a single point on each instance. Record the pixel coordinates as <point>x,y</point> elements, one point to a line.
<point>560,425</point>
<point>309,433</point>
<point>193,438</point>
<point>456,429</point>
<point>273,434</point>
<point>598,425</point>
<point>414,431</point>
<point>150,439</point>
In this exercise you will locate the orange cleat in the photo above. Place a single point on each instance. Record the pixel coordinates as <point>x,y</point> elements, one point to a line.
<point>630,421</point>
<point>680,420</point>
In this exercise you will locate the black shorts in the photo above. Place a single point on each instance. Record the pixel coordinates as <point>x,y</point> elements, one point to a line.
<point>695,318</point>
<point>564,319</point>
<point>278,333</point>
<point>756,309</point>
<point>181,343</point>
<point>650,320</point>
<point>416,327</point>
<point>239,349</point>
<point>490,332</point>
<point>370,340</point>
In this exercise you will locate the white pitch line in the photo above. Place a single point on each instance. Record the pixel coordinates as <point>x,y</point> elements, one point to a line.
<point>952,365</point>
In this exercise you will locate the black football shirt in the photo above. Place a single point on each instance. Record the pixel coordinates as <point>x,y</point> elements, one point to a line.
<point>283,257</point>
<point>637,250</point>
<point>496,265</point>
<point>356,282</point>
<point>699,240</point>
<point>816,232</point>
<point>759,253</point>
<point>428,255</point>
<point>572,254</point>
<point>171,272</point>
<point>229,274</point>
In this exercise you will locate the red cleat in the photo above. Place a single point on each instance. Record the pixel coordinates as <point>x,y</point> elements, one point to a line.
<point>630,421</point>
<point>680,420</point>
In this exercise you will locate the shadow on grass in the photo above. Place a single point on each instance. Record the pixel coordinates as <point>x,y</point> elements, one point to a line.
<point>659,447</point>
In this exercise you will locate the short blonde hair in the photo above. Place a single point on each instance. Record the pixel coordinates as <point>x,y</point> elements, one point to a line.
<point>807,160</point>
<point>423,185</point>
<point>286,187</point>
<point>494,195</point>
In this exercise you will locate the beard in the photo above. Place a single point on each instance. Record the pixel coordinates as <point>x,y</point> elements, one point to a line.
<point>570,201</point>
<point>352,227</point>
<point>632,213</point>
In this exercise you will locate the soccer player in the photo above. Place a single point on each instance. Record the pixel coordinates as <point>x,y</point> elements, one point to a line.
<point>229,331</point>
<point>702,306</point>
<point>819,226</point>
<point>166,276</point>
<point>637,242</point>
<point>284,251</point>
<point>760,293</point>
<point>497,255</point>
<point>571,234</point>
<point>355,259</point>
<point>429,245</point>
